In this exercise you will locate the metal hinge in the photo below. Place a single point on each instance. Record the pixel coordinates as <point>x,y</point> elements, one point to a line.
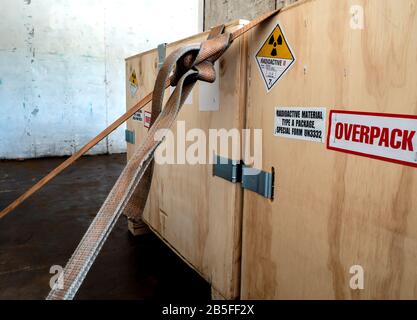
<point>130,136</point>
<point>252,179</point>
<point>162,52</point>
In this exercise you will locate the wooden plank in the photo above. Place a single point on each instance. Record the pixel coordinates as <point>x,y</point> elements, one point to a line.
<point>197,214</point>
<point>332,210</point>
<point>146,80</point>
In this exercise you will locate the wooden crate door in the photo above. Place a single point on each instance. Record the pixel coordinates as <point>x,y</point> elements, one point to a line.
<point>332,210</point>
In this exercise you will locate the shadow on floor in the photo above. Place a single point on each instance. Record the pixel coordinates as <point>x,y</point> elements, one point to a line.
<point>45,230</point>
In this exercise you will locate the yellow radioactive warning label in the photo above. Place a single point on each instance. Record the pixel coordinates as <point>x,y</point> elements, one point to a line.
<point>275,57</point>
<point>133,83</point>
<point>133,79</point>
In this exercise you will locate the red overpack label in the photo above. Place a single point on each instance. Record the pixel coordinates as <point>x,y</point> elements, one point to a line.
<point>388,137</point>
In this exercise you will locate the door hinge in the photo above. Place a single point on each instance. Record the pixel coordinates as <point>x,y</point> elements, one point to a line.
<point>252,179</point>
<point>130,136</point>
<point>162,51</point>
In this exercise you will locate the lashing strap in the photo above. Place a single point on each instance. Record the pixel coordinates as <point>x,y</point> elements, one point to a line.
<point>130,192</point>
<point>191,63</point>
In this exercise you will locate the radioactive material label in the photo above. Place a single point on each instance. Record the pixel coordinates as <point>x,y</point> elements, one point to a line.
<point>138,116</point>
<point>300,123</point>
<point>275,57</point>
<point>133,80</point>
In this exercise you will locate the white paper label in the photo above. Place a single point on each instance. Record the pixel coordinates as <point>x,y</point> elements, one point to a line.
<point>209,97</point>
<point>301,123</point>
<point>138,116</point>
<point>387,137</point>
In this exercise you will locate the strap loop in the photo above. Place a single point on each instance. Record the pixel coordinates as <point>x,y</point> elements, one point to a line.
<point>188,65</point>
<point>203,59</point>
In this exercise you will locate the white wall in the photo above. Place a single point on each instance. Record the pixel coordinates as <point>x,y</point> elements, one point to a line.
<point>62,67</point>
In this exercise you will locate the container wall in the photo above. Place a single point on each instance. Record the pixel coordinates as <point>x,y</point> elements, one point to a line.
<point>62,68</point>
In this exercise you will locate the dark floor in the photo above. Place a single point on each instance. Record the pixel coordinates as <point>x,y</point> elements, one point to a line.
<point>45,230</point>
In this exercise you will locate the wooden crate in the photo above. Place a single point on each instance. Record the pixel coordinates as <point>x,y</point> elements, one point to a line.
<point>331,210</point>
<point>196,214</point>
<point>334,210</point>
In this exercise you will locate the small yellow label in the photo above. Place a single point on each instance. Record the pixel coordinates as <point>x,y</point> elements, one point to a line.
<point>133,79</point>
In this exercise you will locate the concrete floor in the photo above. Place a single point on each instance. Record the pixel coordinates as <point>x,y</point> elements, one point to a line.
<point>45,230</point>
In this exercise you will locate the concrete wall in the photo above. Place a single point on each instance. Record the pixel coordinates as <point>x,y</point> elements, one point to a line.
<point>62,67</point>
<point>222,11</point>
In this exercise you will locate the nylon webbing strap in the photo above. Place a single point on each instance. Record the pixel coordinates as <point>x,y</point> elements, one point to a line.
<point>187,65</point>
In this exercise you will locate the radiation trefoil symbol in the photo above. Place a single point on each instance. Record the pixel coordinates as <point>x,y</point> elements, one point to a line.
<point>274,43</point>
<point>274,58</point>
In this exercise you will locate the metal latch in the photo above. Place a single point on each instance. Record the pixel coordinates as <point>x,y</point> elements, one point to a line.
<point>252,179</point>
<point>230,170</point>
<point>258,181</point>
<point>130,136</point>
<point>162,52</point>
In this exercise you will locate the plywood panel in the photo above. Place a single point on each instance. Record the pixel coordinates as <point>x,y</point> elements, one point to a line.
<point>333,210</point>
<point>197,214</point>
<point>146,69</point>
